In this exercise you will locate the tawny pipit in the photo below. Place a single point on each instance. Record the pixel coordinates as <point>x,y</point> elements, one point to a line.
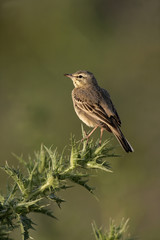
<point>95,108</point>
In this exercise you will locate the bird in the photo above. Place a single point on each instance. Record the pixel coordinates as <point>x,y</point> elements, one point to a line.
<point>94,107</point>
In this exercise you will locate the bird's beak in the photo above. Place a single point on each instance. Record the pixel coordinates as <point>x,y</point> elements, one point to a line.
<point>68,75</point>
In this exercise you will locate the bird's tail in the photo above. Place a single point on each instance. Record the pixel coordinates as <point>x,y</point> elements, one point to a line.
<point>121,139</point>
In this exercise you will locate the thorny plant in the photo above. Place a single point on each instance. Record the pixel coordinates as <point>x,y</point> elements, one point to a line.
<point>45,175</point>
<point>114,232</point>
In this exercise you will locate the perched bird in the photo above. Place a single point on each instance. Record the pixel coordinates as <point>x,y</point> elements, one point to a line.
<point>94,107</point>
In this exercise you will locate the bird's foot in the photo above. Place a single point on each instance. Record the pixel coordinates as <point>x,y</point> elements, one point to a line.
<point>100,142</point>
<point>86,137</point>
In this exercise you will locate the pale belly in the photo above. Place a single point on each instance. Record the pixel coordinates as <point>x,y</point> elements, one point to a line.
<point>85,118</point>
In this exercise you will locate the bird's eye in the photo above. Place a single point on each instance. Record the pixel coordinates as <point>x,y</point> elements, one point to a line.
<point>80,76</point>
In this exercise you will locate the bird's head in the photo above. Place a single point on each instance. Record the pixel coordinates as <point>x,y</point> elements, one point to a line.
<point>82,78</point>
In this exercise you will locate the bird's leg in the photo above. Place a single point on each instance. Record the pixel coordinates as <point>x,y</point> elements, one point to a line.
<point>100,140</point>
<point>92,131</point>
<point>87,136</point>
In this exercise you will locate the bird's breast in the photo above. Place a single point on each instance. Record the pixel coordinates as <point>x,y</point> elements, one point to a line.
<point>84,117</point>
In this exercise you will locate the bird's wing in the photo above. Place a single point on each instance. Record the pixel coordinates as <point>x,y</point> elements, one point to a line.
<point>108,106</point>
<point>92,104</point>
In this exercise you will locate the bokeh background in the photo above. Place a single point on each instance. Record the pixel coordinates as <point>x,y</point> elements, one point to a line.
<point>119,41</point>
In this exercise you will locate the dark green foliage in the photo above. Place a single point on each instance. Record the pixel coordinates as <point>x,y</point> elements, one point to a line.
<point>45,175</point>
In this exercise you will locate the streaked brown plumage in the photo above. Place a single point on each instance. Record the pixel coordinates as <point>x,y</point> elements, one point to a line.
<point>94,107</point>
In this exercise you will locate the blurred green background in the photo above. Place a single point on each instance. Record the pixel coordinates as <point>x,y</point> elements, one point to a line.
<point>119,41</point>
